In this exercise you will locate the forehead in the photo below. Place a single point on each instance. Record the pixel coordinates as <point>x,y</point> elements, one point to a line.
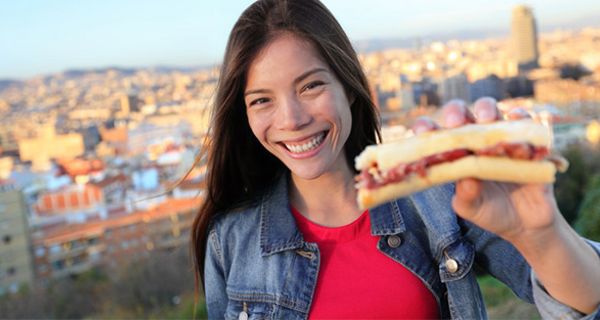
<point>284,56</point>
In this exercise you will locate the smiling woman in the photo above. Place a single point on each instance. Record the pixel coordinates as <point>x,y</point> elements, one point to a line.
<point>280,234</point>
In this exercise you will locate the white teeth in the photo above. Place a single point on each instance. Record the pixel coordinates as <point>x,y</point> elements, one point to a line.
<point>313,143</point>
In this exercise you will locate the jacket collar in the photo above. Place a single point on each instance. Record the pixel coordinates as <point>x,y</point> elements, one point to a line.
<point>386,219</point>
<point>278,230</point>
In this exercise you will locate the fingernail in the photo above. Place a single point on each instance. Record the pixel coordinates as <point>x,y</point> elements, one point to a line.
<point>422,124</point>
<point>454,120</point>
<point>486,114</point>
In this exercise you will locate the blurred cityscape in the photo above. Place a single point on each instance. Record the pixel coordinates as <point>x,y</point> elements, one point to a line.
<point>96,165</point>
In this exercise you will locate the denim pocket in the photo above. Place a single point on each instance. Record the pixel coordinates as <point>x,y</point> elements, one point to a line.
<point>457,260</point>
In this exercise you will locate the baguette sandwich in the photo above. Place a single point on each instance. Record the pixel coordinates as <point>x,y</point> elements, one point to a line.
<point>506,151</point>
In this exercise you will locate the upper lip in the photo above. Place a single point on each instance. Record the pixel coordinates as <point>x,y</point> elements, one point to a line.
<point>303,138</point>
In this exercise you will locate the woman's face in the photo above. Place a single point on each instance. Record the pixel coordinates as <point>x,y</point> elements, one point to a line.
<point>297,108</point>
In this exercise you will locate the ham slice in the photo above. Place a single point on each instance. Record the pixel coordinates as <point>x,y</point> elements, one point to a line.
<point>373,178</point>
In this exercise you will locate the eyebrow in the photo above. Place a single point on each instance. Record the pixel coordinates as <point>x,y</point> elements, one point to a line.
<point>296,81</point>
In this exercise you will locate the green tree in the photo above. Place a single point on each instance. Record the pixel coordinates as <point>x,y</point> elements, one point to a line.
<point>588,222</point>
<point>570,186</point>
<point>77,296</point>
<point>149,286</point>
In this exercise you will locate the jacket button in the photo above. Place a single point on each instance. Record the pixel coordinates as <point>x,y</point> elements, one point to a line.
<point>451,265</point>
<point>394,241</point>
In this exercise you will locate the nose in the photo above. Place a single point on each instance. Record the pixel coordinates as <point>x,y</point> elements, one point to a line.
<point>291,114</point>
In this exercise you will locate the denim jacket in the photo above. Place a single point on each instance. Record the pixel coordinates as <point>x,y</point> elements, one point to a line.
<point>257,263</point>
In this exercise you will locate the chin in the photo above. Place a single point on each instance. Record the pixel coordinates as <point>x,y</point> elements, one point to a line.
<point>306,174</point>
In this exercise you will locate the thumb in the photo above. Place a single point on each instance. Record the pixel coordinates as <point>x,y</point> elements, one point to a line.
<point>467,199</point>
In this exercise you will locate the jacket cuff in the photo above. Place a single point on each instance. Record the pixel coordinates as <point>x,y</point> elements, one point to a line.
<point>550,308</point>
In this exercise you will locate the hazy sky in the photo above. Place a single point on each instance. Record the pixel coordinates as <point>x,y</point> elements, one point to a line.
<point>41,36</point>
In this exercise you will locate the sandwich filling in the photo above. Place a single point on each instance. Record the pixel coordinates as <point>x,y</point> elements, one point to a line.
<point>373,178</point>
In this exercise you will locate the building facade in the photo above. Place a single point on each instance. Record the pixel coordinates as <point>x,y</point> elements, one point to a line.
<point>16,267</point>
<point>113,242</point>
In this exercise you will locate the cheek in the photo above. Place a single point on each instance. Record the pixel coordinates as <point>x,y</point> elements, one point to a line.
<point>343,114</point>
<point>346,123</point>
<point>257,125</point>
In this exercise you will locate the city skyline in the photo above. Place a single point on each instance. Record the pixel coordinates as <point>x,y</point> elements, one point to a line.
<point>42,38</point>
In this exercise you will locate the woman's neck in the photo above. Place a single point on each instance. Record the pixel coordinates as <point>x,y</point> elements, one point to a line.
<point>329,200</point>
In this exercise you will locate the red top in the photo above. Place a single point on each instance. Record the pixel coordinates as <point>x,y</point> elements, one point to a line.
<point>356,280</point>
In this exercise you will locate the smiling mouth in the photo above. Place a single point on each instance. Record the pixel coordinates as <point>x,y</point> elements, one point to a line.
<point>311,144</point>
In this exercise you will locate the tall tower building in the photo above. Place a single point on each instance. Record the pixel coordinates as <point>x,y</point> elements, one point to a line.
<point>524,38</point>
<point>16,267</point>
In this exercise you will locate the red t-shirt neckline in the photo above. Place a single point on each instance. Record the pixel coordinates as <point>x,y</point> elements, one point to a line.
<point>357,281</point>
<point>314,232</point>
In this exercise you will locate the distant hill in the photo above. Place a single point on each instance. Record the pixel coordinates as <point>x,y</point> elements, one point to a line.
<point>372,45</point>
<point>80,72</point>
<point>169,69</point>
<point>75,73</point>
<point>377,44</point>
<point>5,83</point>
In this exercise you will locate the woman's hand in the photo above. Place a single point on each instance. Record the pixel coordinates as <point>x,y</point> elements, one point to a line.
<point>507,209</point>
<point>527,216</point>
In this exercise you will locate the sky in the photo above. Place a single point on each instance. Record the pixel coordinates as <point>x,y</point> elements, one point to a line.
<point>39,37</point>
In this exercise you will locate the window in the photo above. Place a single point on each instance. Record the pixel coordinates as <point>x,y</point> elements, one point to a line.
<point>11,271</point>
<point>55,249</point>
<point>40,251</point>
<point>6,239</point>
<point>58,265</point>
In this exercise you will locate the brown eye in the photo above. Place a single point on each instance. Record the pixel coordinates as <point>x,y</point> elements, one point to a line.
<point>312,85</point>
<point>258,101</point>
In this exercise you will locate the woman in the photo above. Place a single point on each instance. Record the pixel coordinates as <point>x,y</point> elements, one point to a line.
<point>280,234</point>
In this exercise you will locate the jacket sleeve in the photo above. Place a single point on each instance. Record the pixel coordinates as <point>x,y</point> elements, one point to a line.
<point>502,260</point>
<point>214,278</point>
<point>550,308</point>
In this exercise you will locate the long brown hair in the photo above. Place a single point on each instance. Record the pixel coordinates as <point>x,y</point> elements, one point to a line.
<point>238,167</point>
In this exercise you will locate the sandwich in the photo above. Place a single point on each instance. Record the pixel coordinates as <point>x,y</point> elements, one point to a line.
<point>506,151</point>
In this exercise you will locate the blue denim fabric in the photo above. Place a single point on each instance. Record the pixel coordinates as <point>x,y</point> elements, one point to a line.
<point>258,263</point>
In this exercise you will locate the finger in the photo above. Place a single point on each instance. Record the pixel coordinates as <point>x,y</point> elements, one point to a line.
<point>456,114</point>
<point>467,197</point>
<point>424,124</point>
<point>518,113</point>
<point>486,110</point>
